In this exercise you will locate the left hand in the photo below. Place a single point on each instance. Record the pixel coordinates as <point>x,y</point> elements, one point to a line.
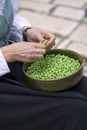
<point>38,35</point>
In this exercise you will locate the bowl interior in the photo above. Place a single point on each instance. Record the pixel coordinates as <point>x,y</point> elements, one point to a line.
<point>66,82</point>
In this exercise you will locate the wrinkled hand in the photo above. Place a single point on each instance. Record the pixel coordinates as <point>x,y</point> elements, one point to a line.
<point>24,52</point>
<point>38,35</point>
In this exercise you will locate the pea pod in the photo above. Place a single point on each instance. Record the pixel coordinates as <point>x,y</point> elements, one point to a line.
<point>45,42</point>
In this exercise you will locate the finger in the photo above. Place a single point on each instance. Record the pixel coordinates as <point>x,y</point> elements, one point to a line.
<point>31,58</point>
<point>40,51</point>
<point>50,37</point>
<point>35,57</point>
<point>40,38</point>
<point>52,40</point>
<point>39,45</point>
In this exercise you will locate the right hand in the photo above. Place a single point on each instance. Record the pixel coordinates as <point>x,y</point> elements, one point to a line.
<point>23,52</point>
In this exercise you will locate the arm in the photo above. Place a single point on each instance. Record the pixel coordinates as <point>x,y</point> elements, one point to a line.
<point>16,29</point>
<point>18,23</point>
<point>16,34</point>
<point>15,4</point>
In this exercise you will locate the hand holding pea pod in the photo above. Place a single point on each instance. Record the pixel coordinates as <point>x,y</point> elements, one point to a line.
<point>40,35</point>
<point>46,43</point>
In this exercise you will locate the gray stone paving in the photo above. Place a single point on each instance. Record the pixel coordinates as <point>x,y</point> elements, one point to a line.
<point>70,13</point>
<point>65,18</point>
<point>73,3</point>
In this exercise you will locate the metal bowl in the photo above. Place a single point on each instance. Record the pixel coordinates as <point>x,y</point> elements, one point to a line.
<point>57,84</point>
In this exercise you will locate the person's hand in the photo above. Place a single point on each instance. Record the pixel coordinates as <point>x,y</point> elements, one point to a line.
<point>24,52</point>
<point>38,35</point>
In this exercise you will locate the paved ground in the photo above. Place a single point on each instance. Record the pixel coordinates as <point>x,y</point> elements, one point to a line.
<point>65,18</point>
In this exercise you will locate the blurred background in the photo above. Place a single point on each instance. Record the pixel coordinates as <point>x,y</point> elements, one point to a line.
<point>67,19</point>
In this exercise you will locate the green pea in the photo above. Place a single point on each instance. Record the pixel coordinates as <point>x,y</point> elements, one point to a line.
<point>52,66</point>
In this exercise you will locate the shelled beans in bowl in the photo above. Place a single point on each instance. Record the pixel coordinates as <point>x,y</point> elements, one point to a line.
<point>58,70</point>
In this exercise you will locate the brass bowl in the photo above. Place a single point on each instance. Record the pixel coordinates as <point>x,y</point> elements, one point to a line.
<point>57,84</point>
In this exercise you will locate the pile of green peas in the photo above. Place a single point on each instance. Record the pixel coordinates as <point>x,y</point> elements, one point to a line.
<point>52,66</point>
